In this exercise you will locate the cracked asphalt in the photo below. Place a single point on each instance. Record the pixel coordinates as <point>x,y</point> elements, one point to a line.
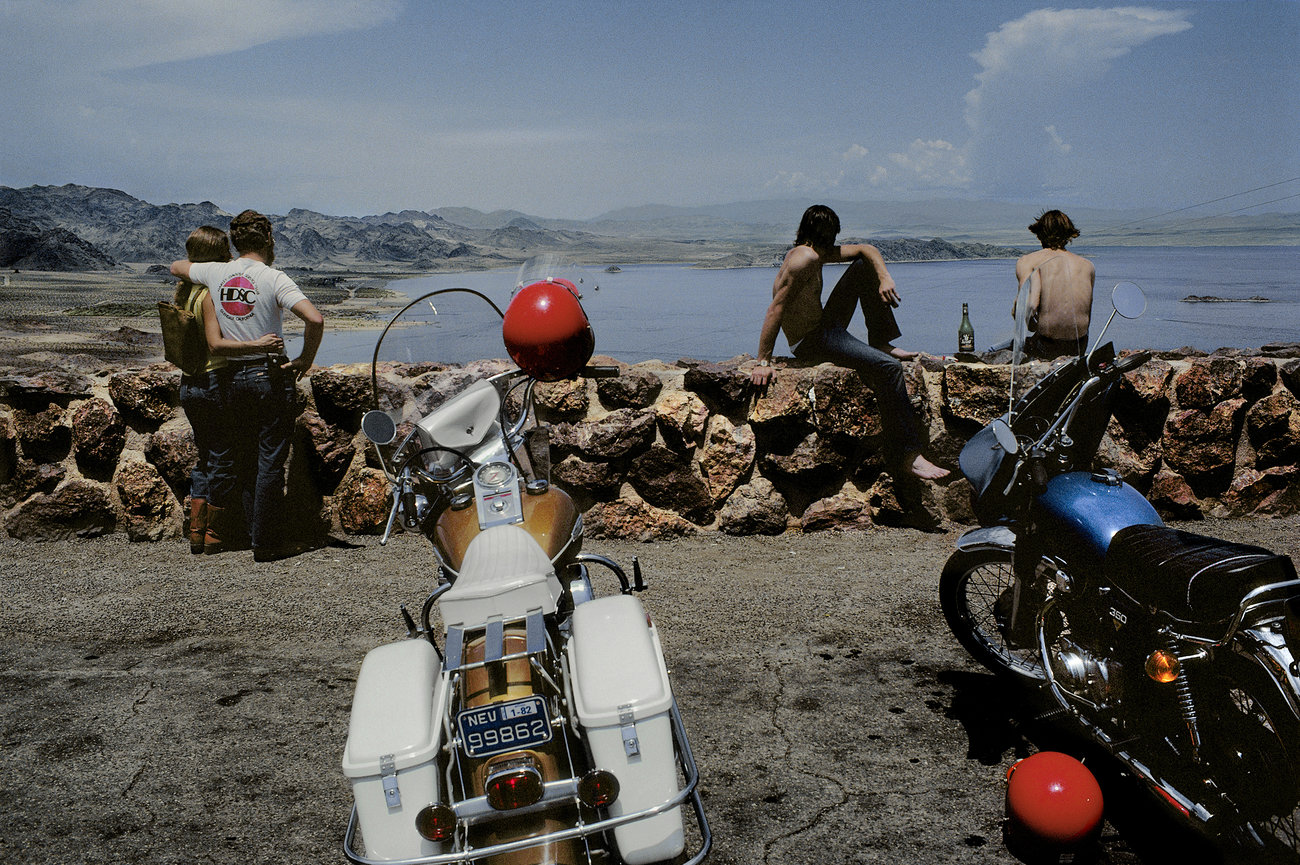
<point>164,708</point>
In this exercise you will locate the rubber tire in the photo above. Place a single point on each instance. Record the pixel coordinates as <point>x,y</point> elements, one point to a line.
<point>1281,746</point>
<point>971,583</point>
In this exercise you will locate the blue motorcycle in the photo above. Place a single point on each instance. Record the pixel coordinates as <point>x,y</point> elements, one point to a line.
<point>1175,652</point>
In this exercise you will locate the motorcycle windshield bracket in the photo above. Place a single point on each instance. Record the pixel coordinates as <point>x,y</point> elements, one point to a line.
<point>627,726</point>
<point>388,776</point>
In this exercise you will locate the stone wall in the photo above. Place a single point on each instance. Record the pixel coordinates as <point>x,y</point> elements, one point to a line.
<point>662,450</point>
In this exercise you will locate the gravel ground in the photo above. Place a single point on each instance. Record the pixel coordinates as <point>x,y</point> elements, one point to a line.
<point>163,708</point>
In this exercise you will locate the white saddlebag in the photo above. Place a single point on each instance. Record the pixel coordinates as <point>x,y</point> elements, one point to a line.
<point>623,699</point>
<point>392,743</point>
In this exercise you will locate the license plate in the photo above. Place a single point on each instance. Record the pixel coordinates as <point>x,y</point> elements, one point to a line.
<point>500,727</point>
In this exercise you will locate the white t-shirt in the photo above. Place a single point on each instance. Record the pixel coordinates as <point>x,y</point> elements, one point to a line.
<point>249,296</point>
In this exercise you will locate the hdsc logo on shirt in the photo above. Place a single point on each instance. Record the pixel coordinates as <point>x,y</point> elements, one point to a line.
<point>237,296</point>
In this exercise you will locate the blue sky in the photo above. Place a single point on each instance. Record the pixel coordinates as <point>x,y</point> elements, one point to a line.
<point>571,109</point>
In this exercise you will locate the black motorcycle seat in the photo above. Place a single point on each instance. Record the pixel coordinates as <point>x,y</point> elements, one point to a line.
<point>1192,577</point>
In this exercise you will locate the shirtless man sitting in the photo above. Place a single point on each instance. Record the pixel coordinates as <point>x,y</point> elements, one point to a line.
<point>1060,290</point>
<point>821,334</point>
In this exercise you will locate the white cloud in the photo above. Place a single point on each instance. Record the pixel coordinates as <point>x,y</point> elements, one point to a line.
<point>1032,70</point>
<point>1058,143</point>
<point>1051,50</point>
<point>91,35</point>
<point>857,151</point>
<point>936,164</point>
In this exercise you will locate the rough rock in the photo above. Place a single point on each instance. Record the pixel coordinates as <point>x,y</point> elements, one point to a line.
<point>340,398</point>
<point>667,479</point>
<point>363,501</point>
<point>755,508</point>
<point>1201,445</point>
<point>77,509</point>
<point>152,512</point>
<point>43,434</point>
<point>631,388</point>
<point>564,400</point>
<point>727,457</point>
<point>330,449</point>
<point>682,418</point>
<point>98,435</point>
<point>725,385</point>
<point>1173,498</point>
<point>1207,382</point>
<point>148,394</point>
<point>622,433</point>
<point>1273,426</point>
<point>634,520</point>
<point>841,511</point>
<point>587,480</point>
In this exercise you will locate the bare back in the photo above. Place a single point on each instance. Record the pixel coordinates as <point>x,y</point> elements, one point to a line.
<point>1060,294</point>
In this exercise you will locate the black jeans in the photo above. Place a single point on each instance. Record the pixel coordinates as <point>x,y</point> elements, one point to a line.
<point>831,341</point>
<point>261,413</point>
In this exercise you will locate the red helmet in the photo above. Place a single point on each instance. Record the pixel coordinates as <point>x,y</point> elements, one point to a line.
<point>1054,807</point>
<point>546,330</point>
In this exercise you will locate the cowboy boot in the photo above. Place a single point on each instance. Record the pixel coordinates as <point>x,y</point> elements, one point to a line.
<point>198,524</point>
<point>212,542</point>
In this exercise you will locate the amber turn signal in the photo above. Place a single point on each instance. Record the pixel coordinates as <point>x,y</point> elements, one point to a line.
<point>436,823</point>
<point>1163,666</point>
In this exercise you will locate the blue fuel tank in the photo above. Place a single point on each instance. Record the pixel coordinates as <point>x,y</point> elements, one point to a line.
<point>1081,511</point>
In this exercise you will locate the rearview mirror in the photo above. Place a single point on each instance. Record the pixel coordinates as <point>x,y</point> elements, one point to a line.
<point>1128,299</point>
<point>379,427</point>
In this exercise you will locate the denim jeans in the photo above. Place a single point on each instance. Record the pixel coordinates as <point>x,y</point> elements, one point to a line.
<point>831,341</point>
<point>261,413</point>
<point>203,399</point>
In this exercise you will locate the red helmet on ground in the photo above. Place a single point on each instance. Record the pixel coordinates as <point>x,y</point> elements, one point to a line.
<point>546,330</point>
<point>1054,808</point>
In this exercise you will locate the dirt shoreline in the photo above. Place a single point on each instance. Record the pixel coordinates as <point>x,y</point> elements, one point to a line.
<point>166,708</point>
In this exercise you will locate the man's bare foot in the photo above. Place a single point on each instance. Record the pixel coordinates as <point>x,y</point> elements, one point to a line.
<point>926,470</point>
<point>900,353</point>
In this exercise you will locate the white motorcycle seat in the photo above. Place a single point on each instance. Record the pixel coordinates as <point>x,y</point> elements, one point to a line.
<point>505,573</point>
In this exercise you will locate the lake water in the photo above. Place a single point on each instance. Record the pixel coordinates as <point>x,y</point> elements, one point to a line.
<point>670,311</point>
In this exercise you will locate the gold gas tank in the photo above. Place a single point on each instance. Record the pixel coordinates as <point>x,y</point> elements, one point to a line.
<point>549,516</point>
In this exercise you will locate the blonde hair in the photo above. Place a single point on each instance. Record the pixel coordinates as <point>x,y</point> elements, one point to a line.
<point>205,243</point>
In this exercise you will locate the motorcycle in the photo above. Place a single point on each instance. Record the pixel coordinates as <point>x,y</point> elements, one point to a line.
<point>1175,652</point>
<point>544,728</point>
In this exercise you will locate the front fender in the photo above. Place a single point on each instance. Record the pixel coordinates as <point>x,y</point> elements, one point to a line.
<point>987,538</point>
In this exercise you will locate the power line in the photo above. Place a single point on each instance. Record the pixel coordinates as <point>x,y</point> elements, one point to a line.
<point>1240,209</point>
<point>1215,201</point>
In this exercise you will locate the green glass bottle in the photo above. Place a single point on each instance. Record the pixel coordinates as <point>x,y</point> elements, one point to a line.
<point>965,333</point>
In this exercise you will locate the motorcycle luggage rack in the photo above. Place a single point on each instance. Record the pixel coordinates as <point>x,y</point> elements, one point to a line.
<point>494,637</point>
<point>468,808</point>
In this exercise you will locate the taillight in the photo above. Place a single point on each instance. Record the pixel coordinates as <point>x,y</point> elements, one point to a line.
<point>598,788</point>
<point>513,782</point>
<point>436,823</point>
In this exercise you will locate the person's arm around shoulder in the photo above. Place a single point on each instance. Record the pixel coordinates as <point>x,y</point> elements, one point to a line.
<point>223,347</point>
<point>872,256</point>
<point>312,332</point>
<point>181,268</point>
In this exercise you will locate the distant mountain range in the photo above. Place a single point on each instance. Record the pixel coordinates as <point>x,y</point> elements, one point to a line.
<point>83,228</point>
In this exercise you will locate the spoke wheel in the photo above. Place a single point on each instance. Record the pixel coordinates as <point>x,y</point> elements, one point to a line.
<point>1259,749</point>
<point>975,591</point>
